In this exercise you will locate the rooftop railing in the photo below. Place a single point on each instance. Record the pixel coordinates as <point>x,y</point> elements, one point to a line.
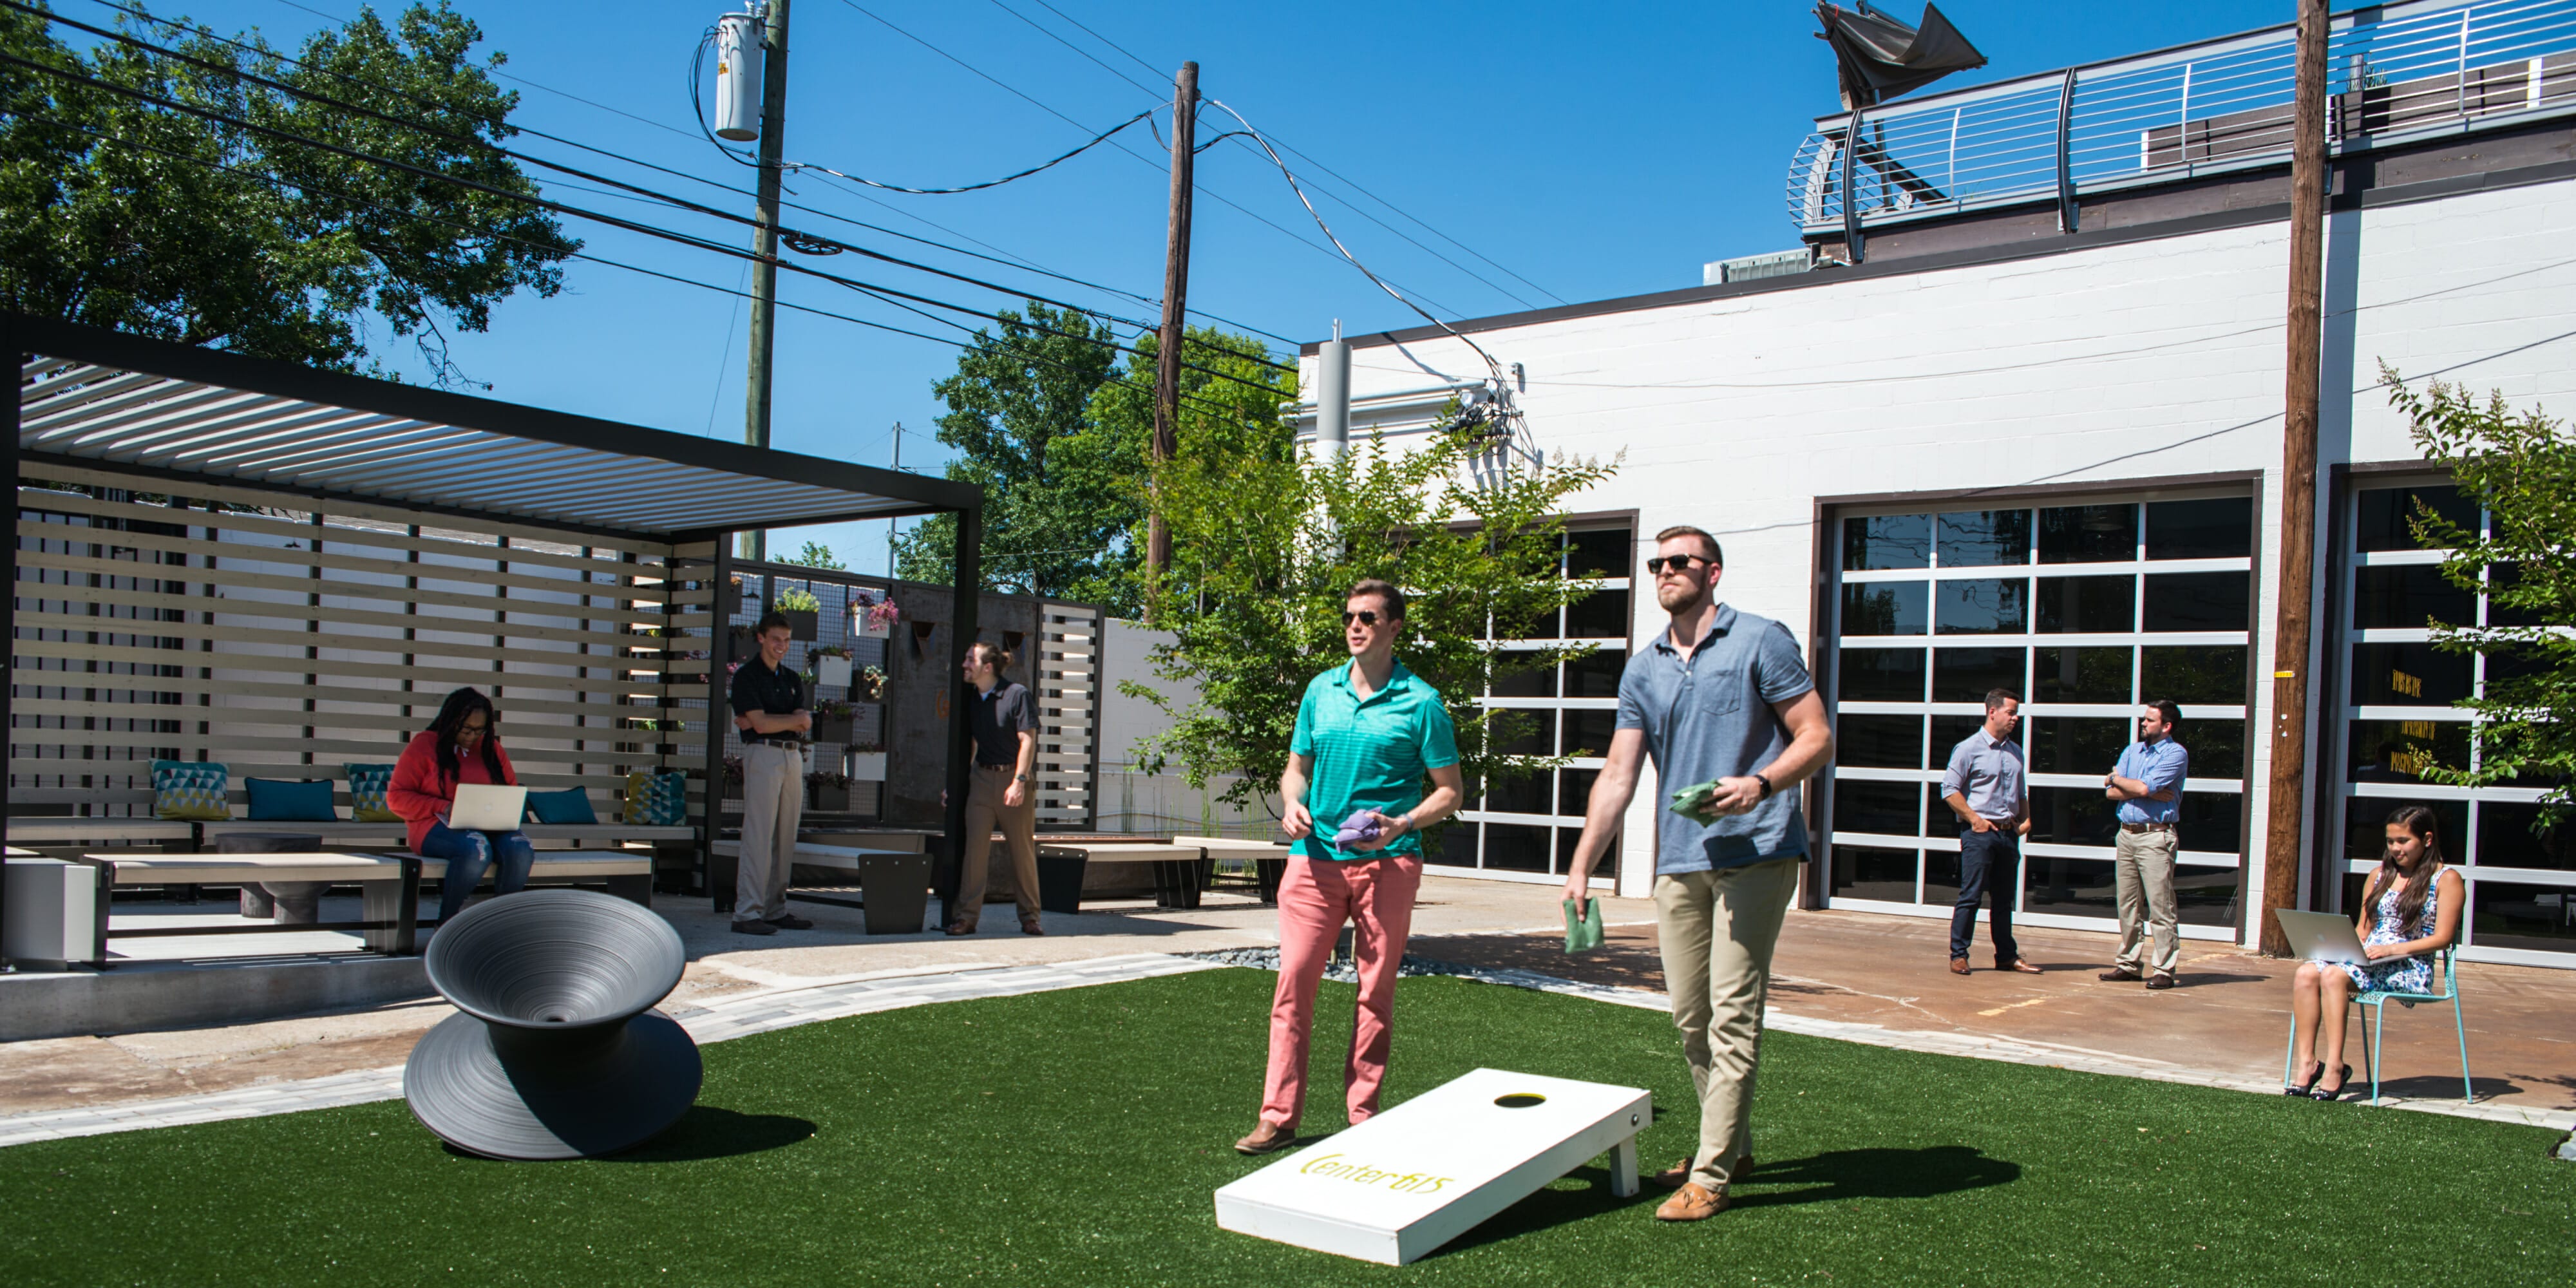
<point>2394,73</point>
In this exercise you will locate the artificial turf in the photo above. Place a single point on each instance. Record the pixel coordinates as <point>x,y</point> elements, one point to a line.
<point>1075,1137</point>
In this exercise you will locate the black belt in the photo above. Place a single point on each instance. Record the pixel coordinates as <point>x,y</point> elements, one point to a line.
<point>981,765</point>
<point>774,740</point>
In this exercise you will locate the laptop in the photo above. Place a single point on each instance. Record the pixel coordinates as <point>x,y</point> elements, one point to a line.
<point>482,807</point>
<point>2324,937</point>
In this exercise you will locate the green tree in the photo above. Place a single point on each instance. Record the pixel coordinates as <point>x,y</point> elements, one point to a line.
<point>1265,545</point>
<point>2522,468</point>
<point>1056,431</point>
<point>120,213</point>
<point>817,555</point>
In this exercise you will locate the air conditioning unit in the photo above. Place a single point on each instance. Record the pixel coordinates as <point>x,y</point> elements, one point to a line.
<point>1746,268</point>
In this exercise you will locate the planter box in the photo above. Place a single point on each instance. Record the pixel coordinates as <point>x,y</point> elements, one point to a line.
<point>863,689</point>
<point>896,891</point>
<point>802,624</point>
<point>831,729</point>
<point>868,766</point>
<point>860,626</point>
<point>832,670</point>
<point>1060,880</point>
<point>850,798</point>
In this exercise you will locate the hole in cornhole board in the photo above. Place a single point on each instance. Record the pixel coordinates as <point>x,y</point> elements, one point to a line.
<point>1520,1100</point>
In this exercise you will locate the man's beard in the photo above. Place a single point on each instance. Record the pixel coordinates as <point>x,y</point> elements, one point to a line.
<point>1677,598</point>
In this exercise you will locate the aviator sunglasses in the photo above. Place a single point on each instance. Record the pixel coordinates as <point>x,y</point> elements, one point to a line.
<point>1365,617</point>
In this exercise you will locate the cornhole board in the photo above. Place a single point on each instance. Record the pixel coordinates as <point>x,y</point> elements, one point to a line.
<point>1431,1169</point>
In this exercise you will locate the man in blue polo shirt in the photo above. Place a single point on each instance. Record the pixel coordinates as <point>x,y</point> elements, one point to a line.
<point>2147,782</point>
<point>1722,697</point>
<point>1367,735</point>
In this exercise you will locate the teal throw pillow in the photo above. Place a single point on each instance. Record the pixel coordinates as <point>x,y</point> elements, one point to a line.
<point>284,800</point>
<point>571,805</point>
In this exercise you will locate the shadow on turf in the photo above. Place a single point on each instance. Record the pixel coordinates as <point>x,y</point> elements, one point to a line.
<point>702,1133</point>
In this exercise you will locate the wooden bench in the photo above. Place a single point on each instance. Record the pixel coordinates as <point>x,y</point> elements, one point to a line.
<point>389,886</point>
<point>92,831</point>
<point>1180,872</point>
<point>394,835</point>
<point>628,874</point>
<point>1269,860</point>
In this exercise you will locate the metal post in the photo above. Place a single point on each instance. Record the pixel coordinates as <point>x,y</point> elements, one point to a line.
<point>9,602</point>
<point>764,245</point>
<point>1851,199</point>
<point>1176,290</point>
<point>2291,635</point>
<point>2182,123</point>
<point>893,524</point>
<point>719,657</point>
<point>2065,161</point>
<point>1951,175</point>
<point>2460,107</point>
<point>961,709</point>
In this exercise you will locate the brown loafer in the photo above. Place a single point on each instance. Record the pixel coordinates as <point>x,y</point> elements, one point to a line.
<point>960,928</point>
<point>1678,1175</point>
<point>2021,964</point>
<point>2119,975</point>
<point>1958,965</point>
<point>2160,981</point>
<point>1693,1202</point>
<point>1266,1139</point>
<point>1031,927</point>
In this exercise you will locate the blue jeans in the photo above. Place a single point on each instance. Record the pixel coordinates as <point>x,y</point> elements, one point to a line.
<point>468,854</point>
<point>1989,872</point>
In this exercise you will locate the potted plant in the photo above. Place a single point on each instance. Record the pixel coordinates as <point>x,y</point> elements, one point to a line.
<point>831,721</point>
<point>868,763</point>
<point>831,663</point>
<point>803,612</point>
<point>729,598</point>
<point>873,613</point>
<point>827,790</point>
<point>869,685</point>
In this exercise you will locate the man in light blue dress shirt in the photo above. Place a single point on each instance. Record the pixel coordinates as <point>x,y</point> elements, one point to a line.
<point>1987,785</point>
<point>2148,785</point>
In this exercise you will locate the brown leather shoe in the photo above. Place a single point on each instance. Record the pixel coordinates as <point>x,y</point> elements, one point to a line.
<point>1031,927</point>
<point>2160,981</point>
<point>1678,1175</point>
<point>1268,1138</point>
<point>1693,1202</point>
<point>2020,964</point>
<point>2119,975</point>
<point>960,928</point>
<point>1958,965</point>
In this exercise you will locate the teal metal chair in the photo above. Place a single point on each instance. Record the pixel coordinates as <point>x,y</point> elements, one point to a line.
<point>2445,966</point>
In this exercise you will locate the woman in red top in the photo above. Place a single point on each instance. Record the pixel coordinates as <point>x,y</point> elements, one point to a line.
<point>460,746</point>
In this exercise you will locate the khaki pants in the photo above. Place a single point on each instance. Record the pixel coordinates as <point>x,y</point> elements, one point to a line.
<point>1717,930</point>
<point>1019,827</point>
<point>773,805</point>
<point>2143,868</point>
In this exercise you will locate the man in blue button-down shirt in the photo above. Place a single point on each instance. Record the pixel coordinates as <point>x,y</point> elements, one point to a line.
<point>1722,697</point>
<point>2148,785</point>
<point>1987,784</point>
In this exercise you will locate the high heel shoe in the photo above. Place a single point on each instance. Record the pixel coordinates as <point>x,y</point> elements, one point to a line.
<point>2343,1075</point>
<point>2303,1088</point>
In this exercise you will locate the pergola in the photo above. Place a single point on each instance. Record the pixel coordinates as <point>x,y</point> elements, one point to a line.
<point>179,420</point>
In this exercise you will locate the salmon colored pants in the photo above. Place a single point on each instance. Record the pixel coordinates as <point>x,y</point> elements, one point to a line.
<point>1317,896</point>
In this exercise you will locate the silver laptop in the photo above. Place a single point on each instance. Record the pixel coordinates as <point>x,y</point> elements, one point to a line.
<point>2324,937</point>
<point>482,807</point>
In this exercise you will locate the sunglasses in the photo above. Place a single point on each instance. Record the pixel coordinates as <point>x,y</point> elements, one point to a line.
<point>1678,563</point>
<point>1365,617</point>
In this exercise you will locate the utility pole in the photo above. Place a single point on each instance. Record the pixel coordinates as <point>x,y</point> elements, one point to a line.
<point>892,523</point>
<point>2283,854</point>
<point>1176,290</point>
<point>764,245</point>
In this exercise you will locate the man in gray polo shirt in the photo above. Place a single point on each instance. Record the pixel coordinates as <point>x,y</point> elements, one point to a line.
<point>1722,697</point>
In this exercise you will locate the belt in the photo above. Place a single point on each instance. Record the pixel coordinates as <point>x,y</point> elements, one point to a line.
<point>981,765</point>
<point>773,740</point>
<point>2146,827</point>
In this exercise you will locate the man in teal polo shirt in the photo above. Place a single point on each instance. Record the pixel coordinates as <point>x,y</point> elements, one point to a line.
<point>1367,735</point>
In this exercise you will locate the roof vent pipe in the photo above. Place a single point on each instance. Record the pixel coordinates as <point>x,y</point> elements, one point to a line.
<point>1332,396</point>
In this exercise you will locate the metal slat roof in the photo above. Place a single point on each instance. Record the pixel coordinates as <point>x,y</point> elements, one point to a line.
<point>92,396</point>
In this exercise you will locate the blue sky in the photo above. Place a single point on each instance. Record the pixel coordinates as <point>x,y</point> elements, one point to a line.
<point>1582,152</point>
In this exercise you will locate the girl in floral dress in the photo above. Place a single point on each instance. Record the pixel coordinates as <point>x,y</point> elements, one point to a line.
<point>2410,910</point>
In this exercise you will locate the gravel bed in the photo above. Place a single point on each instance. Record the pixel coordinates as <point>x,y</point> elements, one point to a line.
<point>1341,970</point>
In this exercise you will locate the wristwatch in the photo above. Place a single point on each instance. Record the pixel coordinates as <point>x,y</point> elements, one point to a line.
<point>1766,785</point>
<point>1020,778</point>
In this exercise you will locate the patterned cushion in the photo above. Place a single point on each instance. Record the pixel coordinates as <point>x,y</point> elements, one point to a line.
<point>657,800</point>
<point>367,787</point>
<point>190,789</point>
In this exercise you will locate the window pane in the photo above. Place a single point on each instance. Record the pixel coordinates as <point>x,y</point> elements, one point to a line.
<point>2080,675</point>
<point>2407,675</point>
<point>2365,830</point>
<point>1862,872</point>
<point>1520,733</point>
<point>2188,675</point>
<point>2197,601</point>
<point>2217,747</point>
<point>1453,844</point>
<point>1983,607</point>
<point>1879,675</point>
<point>1601,615</point>
<point>1568,838</point>
<point>2383,517</point>
<point>1574,792</point>
<point>1604,552</point>
<point>1940,877</point>
<point>1881,742</point>
<point>1596,674</point>
<point>2505,577</point>
<point>2213,821</point>
<point>1535,682</point>
<point>1888,809</point>
<point>1518,847</point>
<point>1525,793</point>
<point>2063,746</point>
<point>2406,596</point>
<point>1887,608</point>
<point>2216,529</point>
<point>2071,816</point>
<point>1587,733</point>
<point>1887,541</point>
<point>2522,916</point>
<point>2505,838</point>
<point>1964,674</point>
<point>2088,534</point>
<point>2398,751</point>
<point>1975,538</point>
<point>1947,733</point>
<point>2069,605</point>
<point>2069,887</point>
<point>2206,896</point>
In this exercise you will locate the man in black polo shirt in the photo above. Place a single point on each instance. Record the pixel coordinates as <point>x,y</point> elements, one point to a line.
<point>768,703</point>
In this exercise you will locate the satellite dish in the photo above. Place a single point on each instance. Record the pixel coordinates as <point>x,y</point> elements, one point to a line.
<point>1879,58</point>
